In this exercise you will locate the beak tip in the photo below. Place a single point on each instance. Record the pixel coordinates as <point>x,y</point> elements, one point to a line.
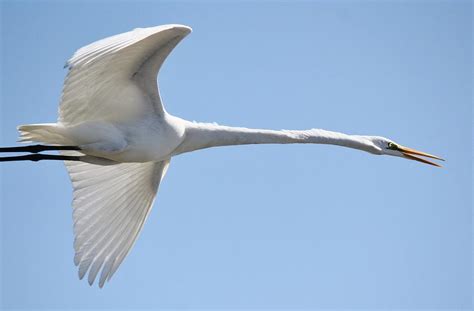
<point>410,154</point>
<point>419,159</point>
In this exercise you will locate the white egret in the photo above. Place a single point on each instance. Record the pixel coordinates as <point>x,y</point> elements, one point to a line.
<point>117,141</point>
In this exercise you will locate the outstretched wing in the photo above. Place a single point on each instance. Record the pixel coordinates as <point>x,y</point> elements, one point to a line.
<point>111,204</point>
<point>115,78</point>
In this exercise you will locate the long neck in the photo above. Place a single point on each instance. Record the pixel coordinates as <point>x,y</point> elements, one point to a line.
<point>206,135</point>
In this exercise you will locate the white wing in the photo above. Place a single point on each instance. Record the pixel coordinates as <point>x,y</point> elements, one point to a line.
<point>115,78</point>
<point>111,204</point>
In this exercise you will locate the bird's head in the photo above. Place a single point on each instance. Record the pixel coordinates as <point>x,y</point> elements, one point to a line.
<point>385,146</point>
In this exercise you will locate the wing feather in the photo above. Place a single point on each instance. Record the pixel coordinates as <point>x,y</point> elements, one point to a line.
<point>115,78</point>
<point>110,206</point>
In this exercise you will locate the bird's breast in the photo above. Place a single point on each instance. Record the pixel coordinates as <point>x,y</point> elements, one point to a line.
<point>150,139</point>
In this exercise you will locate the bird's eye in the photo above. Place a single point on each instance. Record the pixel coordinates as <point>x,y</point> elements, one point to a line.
<point>392,146</point>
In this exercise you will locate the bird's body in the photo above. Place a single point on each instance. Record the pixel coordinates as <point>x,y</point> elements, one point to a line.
<point>149,138</point>
<point>118,141</point>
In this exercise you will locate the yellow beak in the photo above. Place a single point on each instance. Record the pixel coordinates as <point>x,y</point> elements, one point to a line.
<point>409,154</point>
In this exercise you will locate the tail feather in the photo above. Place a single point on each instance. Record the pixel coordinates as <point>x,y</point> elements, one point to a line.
<point>47,133</point>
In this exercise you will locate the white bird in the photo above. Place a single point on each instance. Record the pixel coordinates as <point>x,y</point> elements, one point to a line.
<point>117,141</point>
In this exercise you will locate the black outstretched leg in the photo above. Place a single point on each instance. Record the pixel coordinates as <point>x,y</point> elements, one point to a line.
<point>40,157</point>
<point>37,148</point>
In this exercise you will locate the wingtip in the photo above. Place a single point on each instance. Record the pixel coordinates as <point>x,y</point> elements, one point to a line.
<point>81,274</point>
<point>187,29</point>
<point>183,28</point>
<point>101,283</point>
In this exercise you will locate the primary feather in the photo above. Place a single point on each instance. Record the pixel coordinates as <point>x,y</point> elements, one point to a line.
<point>104,74</point>
<point>110,206</point>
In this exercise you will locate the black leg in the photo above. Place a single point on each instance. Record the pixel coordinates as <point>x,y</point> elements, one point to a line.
<point>37,148</point>
<point>39,157</point>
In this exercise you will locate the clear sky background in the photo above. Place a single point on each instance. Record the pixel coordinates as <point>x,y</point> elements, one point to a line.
<point>252,227</point>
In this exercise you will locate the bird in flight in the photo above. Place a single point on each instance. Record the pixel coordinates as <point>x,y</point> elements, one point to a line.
<point>116,140</point>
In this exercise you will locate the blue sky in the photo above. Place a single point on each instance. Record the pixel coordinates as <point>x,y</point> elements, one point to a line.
<point>252,227</point>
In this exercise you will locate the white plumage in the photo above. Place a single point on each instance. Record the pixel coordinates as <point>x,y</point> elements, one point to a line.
<point>110,205</point>
<point>103,73</point>
<point>111,111</point>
